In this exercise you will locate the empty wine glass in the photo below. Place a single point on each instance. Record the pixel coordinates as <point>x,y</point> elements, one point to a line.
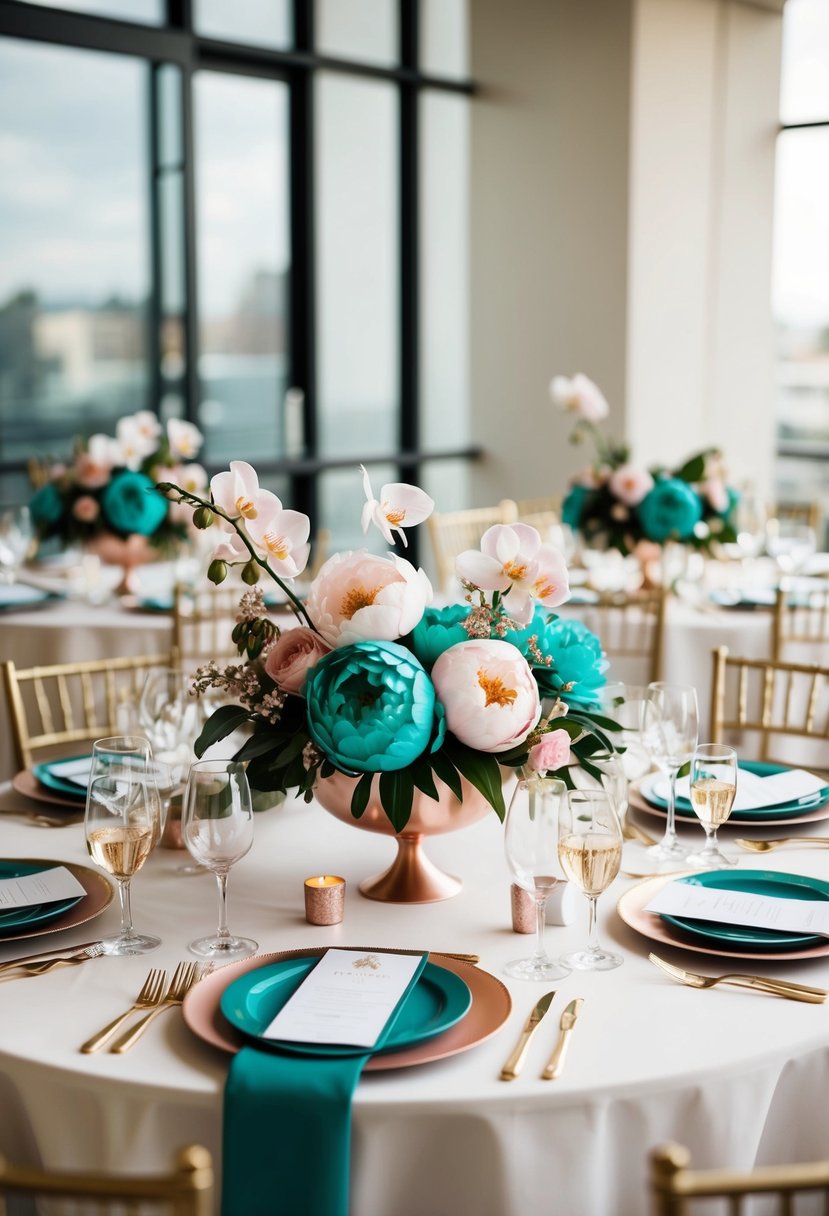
<point>614,780</point>
<point>590,851</point>
<point>122,824</point>
<point>790,544</point>
<point>670,726</point>
<point>531,846</point>
<point>217,827</point>
<point>713,790</point>
<point>16,534</point>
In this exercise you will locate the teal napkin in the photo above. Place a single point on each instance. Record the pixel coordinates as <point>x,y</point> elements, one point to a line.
<point>287,1129</point>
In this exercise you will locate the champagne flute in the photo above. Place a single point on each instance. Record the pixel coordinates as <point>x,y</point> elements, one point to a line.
<point>713,790</point>
<point>670,726</point>
<point>16,535</point>
<point>590,851</point>
<point>531,846</point>
<point>122,824</point>
<point>217,827</point>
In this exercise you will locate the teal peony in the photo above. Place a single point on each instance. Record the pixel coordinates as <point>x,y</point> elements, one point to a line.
<point>371,707</point>
<point>573,505</point>
<point>437,630</point>
<point>578,658</point>
<point>671,511</point>
<point>46,507</point>
<point>733,500</point>
<point>130,503</point>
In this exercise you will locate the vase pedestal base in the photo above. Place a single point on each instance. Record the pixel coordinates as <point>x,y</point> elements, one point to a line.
<point>411,878</point>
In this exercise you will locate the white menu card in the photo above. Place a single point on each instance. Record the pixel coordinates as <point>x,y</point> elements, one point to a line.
<point>742,908</point>
<point>347,999</point>
<point>756,793</point>
<point>45,887</point>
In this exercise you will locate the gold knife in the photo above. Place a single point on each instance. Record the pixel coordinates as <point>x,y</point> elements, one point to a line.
<point>568,1021</point>
<point>513,1065</point>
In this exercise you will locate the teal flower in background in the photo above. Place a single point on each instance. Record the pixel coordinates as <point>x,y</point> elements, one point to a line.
<point>573,505</point>
<point>371,707</point>
<point>131,503</point>
<point>46,507</point>
<point>733,500</point>
<point>671,511</point>
<point>577,655</point>
<point>437,630</point>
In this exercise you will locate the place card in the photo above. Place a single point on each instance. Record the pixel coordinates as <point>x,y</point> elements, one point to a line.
<point>76,770</point>
<point>44,887</point>
<point>743,908</point>
<point>758,793</point>
<point>347,999</point>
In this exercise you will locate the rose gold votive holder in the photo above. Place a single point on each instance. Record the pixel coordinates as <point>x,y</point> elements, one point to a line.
<point>324,899</point>
<point>523,910</point>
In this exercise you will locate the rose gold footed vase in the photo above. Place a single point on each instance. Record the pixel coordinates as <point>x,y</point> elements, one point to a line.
<point>411,878</point>
<point>128,552</point>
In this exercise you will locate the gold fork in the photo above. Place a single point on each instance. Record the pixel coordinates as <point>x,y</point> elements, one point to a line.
<point>784,988</point>
<point>184,977</point>
<point>17,971</point>
<point>766,846</point>
<point>150,994</point>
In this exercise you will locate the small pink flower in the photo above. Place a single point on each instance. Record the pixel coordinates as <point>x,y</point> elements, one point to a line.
<point>489,694</point>
<point>86,508</point>
<point>359,596</point>
<point>552,753</point>
<point>630,485</point>
<point>289,660</point>
<point>581,396</point>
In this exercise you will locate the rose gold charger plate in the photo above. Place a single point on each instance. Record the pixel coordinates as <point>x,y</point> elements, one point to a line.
<point>745,826</point>
<point>99,895</point>
<point>631,908</point>
<point>490,1008</point>
<point>27,784</point>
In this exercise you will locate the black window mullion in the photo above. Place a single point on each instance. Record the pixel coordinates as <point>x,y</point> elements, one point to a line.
<point>409,253</point>
<point>154,298</point>
<point>192,384</point>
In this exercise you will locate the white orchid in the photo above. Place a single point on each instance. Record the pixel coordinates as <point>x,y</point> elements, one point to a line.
<point>581,396</point>
<point>238,494</point>
<point>513,560</point>
<point>137,435</point>
<point>400,505</point>
<point>281,538</point>
<point>184,439</point>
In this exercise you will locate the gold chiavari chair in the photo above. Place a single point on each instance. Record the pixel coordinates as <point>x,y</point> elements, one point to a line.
<point>674,1187</point>
<point>454,532</point>
<point>70,703</point>
<point>540,513</point>
<point>808,513</point>
<point>801,618</point>
<point>771,700</point>
<point>631,627</point>
<point>187,1191</point>
<point>203,622</point>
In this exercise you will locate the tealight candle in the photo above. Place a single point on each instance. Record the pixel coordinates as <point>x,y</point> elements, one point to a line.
<point>561,907</point>
<point>324,899</point>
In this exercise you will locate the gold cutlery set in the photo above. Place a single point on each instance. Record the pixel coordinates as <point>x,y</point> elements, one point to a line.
<point>788,989</point>
<point>48,960</point>
<point>155,996</point>
<point>555,1063</point>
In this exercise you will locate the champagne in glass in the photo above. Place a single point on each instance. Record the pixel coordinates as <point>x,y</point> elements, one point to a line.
<point>670,726</point>
<point>590,851</point>
<point>530,844</point>
<point>217,827</point>
<point>122,824</point>
<point>713,790</point>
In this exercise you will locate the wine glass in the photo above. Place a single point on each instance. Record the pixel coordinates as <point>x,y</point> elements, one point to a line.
<point>531,846</point>
<point>623,704</point>
<point>670,726</point>
<point>790,544</point>
<point>16,534</point>
<point>590,851</point>
<point>614,780</point>
<point>122,824</point>
<point>217,827</point>
<point>172,719</point>
<point>713,790</point>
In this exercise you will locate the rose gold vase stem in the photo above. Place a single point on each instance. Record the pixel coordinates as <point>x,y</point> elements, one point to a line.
<point>411,878</point>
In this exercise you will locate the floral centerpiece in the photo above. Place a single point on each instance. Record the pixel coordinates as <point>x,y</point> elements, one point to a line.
<point>374,681</point>
<point>108,487</point>
<point>616,504</point>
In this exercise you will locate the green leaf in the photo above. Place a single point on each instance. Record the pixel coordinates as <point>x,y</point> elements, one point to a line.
<point>260,744</point>
<point>221,723</point>
<point>360,797</point>
<point>601,720</point>
<point>327,768</point>
<point>421,772</point>
<point>480,770</point>
<point>396,794</point>
<point>446,772</point>
<point>693,469</point>
<point>290,751</point>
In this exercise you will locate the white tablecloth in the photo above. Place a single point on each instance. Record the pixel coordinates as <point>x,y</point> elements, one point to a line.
<point>740,1077</point>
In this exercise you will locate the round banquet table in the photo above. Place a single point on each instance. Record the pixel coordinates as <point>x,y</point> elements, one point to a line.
<point>739,1077</point>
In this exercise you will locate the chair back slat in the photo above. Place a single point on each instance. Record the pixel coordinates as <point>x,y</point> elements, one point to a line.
<point>674,1186</point>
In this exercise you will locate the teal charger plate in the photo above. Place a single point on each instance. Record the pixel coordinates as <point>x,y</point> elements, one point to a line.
<point>43,773</point>
<point>438,1000</point>
<point>753,882</point>
<point>760,768</point>
<point>16,918</point>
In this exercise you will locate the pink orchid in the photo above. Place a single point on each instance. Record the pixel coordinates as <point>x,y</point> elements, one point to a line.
<point>630,484</point>
<point>581,396</point>
<point>513,560</point>
<point>551,753</point>
<point>358,596</point>
<point>237,492</point>
<point>280,537</point>
<point>488,692</point>
<point>293,654</point>
<point>400,505</point>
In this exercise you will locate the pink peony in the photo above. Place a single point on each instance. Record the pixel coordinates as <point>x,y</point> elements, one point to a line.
<point>489,694</point>
<point>552,753</point>
<point>630,485</point>
<point>295,651</point>
<point>580,395</point>
<point>358,596</point>
<point>86,508</point>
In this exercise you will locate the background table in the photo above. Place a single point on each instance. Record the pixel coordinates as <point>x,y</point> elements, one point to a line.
<point>739,1077</point>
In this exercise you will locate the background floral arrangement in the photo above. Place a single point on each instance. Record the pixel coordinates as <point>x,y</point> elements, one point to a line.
<point>374,681</point>
<point>616,504</point>
<point>109,485</point>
